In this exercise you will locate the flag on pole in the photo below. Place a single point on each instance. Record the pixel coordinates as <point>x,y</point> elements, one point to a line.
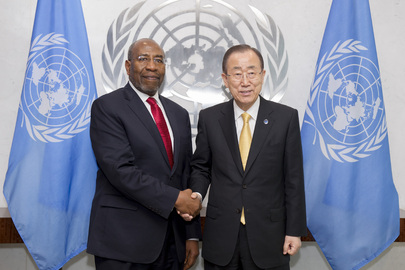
<point>352,203</point>
<point>50,180</point>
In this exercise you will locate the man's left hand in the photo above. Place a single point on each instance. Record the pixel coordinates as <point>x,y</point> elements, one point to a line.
<point>291,245</point>
<point>192,252</point>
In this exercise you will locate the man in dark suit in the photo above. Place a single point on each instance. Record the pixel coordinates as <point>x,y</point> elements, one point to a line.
<point>142,143</point>
<point>256,206</point>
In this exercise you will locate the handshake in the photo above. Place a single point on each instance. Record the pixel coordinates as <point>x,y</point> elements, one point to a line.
<point>188,204</point>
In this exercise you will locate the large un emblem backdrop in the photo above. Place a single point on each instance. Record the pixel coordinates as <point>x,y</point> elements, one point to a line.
<point>195,36</point>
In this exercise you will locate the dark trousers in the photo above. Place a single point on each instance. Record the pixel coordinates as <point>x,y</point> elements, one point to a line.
<point>241,258</point>
<point>167,260</point>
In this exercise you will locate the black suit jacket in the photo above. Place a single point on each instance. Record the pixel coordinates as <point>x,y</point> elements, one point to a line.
<point>136,188</point>
<point>271,189</point>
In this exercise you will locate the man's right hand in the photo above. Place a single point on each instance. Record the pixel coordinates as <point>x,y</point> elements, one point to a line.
<point>186,204</point>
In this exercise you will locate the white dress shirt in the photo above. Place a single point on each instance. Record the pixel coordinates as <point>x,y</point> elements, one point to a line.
<point>252,111</point>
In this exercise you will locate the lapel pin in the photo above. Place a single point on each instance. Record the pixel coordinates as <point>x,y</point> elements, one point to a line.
<point>265,121</point>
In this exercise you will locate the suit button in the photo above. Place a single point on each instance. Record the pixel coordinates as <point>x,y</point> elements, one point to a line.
<point>238,211</point>
<point>244,186</point>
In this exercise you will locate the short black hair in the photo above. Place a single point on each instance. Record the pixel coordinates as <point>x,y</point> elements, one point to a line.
<point>240,48</point>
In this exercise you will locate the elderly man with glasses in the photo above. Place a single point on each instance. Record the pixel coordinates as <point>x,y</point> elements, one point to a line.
<point>248,150</point>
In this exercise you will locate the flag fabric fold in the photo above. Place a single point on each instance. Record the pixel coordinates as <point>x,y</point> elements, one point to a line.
<point>352,203</point>
<point>50,180</point>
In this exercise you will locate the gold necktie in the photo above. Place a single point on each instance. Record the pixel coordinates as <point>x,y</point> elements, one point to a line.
<point>244,146</point>
<point>245,139</point>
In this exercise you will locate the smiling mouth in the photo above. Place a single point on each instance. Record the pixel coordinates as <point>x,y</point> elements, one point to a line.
<point>151,78</point>
<point>246,92</point>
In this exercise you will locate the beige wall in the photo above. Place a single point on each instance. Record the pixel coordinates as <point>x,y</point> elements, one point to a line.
<point>301,22</point>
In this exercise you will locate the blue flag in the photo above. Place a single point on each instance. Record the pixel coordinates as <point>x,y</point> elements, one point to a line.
<point>50,180</point>
<point>352,203</point>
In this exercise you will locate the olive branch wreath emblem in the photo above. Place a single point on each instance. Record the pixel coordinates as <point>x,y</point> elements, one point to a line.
<point>338,152</point>
<point>274,43</point>
<point>113,54</point>
<point>45,133</point>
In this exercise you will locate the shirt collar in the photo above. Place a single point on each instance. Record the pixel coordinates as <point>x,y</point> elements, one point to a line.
<point>144,96</point>
<point>253,111</point>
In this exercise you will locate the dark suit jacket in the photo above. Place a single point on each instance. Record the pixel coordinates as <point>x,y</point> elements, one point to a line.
<point>136,189</point>
<point>271,189</point>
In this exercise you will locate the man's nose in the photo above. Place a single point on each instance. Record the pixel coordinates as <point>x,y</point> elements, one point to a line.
<point>245,80</point>
<point>151,64</point>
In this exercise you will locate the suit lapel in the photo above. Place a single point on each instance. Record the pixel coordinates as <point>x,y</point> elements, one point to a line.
<point>139,108</point>
<point>264,124</point>
<point>227,123</point>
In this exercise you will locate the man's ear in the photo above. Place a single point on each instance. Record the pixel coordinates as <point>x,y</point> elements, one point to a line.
<point>225,79</point>
<point>127,66</point>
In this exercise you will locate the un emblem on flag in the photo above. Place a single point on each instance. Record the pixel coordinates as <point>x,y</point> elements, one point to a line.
<point>55,99</point>
<point>350,118</point>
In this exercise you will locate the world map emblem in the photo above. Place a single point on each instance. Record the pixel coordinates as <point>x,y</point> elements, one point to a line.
<point>349,115</point>
<point>194,36</point>
<point>55,102</point>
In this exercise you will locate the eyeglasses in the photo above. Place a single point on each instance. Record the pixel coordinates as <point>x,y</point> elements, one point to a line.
<point>239,76</point>
<point>156,60</point>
